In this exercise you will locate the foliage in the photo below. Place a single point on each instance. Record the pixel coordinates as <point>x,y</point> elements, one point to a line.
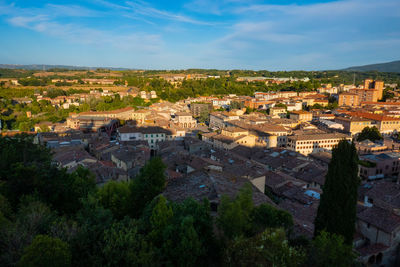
<point>234,215</point>
<point>53,218</point>
<point>236,105</point>
<point>26,168</point>
<point>387,94</point>
<point>239,217</point>
<point>149,183</point>
<point>337,215</point>
<point>270,248</point>
<point>329,250</point>
<point>370,133</point>
<point>115,196</point>
<point>46,251</point>
<point>125,246</point>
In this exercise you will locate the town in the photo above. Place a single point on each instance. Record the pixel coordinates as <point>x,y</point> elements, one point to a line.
<point>280,141</point>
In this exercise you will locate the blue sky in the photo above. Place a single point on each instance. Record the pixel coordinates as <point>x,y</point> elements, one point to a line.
<point>226,34</point>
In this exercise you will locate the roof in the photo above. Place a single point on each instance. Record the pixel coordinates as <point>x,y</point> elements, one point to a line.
<point>143,130</point>
<point>299,112</point>
<point>374,117</point>
<point>210,185</point>
<point>319,136</point>
<point>380,218</point>
<point>371,249</point>
<point>108,112</point>
<point>235,130</point>
<point>183,114</point>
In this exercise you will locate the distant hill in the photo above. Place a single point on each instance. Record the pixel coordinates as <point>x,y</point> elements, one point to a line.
<point>393,66</point>
<point>47,67</point>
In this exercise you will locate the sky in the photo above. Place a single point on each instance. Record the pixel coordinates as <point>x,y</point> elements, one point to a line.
<point>225,34</point>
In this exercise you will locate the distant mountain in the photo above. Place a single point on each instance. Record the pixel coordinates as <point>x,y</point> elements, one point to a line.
<point>46,67</point>
<point>393,66</point>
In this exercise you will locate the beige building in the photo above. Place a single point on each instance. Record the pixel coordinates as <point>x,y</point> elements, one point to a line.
<point>348,99</point>
<point>122,114</point>
<point>376,85</point>
<point>366,95</point>
<point>185,120</point>
<point>353,125</point>
<point>140,115</point>
<point>301,115</point>
<point>220,119</point>
<point>385,124</point>
<point>230,138</point>
<point>277,112</point>
<point>306,144</point>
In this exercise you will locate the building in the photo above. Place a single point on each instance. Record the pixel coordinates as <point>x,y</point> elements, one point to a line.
<point>312,143</point>
<point>278,112</point>
<point>375,85</point>
<point>368,95</point>
<point>185,120</point>
<point>220,119</point>
<point>301,115</point>
<point>385,124</point>
<point>353,125</point>
<point>230,138</point>
<point>140,115</point>
<point>122,114</point>
<point>198,108</point>
<point>348,99</point>
<point>91,123</point>
<point>152,135</point>
<point>378,166</point>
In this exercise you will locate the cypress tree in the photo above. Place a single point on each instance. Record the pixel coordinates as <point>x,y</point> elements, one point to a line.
<point>337,208</point>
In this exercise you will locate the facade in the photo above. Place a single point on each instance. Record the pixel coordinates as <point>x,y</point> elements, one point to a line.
<point>89,123</point>
<point>140,115</point>
<point>348,99</point>
<point>369,95</point>
<point>301,115</point>
<point>278,112</point>
<point>378,166</point>
<point>220,119</point>
<point>376,85</point>
<point>306,144</point>
<point>353,125</point>
<point>185,120</point>
<point>385,124</point>
<point>122,114</point>
<point>153,135</point>
<point>198,108</point>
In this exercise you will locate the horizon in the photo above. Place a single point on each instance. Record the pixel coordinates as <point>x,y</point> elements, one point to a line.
<point>116,68</point>
<point>201,34</point>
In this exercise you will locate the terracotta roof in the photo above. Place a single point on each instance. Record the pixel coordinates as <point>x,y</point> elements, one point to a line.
<point>374,117</point>
<point>371,249</point>
<point>319,136</point>
<point>380,218</point>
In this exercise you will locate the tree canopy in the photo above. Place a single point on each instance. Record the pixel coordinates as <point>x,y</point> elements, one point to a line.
<point>337,208</point>
<point>370,133</point>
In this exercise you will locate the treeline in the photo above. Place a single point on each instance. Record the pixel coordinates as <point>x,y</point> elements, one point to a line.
<point>14,115</point>
<point>210,86</point>
<point>49,217</point>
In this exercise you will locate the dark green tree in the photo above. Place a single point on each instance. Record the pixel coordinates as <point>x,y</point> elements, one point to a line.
<point>115,197</point>
<point>46,251</point>
<point>370,133</point>
<point>234,215</point>
<point>329,250</point>
<point>148,184</point>
<point>269,248</point>
<point>125,246</point>
<point>337,208</point>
